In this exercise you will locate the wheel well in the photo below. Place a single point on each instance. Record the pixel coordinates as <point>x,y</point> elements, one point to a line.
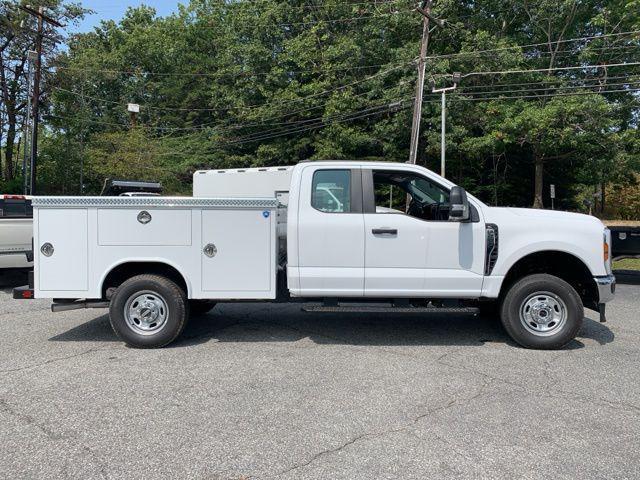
<point>125,271</point>
<point>560,264</point>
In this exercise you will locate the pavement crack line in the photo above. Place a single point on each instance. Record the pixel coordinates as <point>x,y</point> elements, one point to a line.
<point>54,360</point>
<point>550,390</point>
<point>28,420</point>
<point>401,429</point>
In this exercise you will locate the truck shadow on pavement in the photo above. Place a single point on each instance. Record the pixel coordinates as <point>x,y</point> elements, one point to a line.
<point>239,323</point>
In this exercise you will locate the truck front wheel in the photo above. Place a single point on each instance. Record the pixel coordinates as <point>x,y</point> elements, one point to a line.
<point>542,311</point>
<point>148,311</point>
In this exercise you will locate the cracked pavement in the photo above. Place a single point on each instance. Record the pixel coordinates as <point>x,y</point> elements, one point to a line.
<point>266,391</point>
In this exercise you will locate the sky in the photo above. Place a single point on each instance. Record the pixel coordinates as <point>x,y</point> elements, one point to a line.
<point>114,10</point>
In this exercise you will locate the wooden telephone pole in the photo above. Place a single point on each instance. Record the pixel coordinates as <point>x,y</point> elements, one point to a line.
<point>39,14</point>
<point>425,11</point>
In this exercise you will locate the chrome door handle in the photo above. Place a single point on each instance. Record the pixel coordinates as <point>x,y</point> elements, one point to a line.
<point>385,231</point>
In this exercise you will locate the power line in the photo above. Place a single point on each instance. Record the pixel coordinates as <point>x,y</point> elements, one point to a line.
<point>142,73</point>
<point>538,70</point>
<point>543,82</point>
<point>268,104</point>
<point>545,89</point>
<point>384,105</point>
<point>509,97</point>
<point>385,109</point>
<point>285,71</point>
<point>498,49</point>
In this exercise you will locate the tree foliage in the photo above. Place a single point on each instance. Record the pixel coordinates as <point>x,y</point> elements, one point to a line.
<point>238,84</point>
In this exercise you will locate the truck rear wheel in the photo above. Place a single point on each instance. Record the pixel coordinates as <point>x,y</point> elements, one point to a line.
<point>542,311</point>
<point>148,311</point>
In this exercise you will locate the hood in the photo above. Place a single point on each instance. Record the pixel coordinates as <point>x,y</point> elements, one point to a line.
<point>551,215</point>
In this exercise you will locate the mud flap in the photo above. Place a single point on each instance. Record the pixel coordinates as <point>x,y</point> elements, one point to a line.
<point>602,310</point>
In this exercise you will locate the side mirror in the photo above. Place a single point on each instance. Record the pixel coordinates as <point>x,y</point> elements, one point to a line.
<point>459,205</point>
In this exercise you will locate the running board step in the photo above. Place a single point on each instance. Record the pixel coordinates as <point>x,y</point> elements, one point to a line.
<point>376,309</point>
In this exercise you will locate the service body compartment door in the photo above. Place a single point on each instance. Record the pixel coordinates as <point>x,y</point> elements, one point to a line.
<point>169,227</point>
<point>240,259</point>
<point>66,268</point>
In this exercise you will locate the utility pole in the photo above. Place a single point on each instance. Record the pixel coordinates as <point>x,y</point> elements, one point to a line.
<point>27,123</point>
<point>425,11</point>
<point>443,120</point>
<point>42,18</point>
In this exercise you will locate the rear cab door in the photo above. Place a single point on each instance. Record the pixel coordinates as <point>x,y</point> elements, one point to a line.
<point>330,233</point>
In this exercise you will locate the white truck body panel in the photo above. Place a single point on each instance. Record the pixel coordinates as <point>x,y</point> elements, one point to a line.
<point>92,236</point>
<point>242,182</point>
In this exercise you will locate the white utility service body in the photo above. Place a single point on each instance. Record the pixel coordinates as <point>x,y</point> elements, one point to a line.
<point>329,227</point>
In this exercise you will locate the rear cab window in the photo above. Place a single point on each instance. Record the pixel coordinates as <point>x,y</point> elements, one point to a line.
<point>331,191</point>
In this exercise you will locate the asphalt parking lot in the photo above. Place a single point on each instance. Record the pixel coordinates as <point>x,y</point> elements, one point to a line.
<point>268,392</point>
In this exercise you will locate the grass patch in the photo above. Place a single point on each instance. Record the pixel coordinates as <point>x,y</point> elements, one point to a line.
<point>627,264</point>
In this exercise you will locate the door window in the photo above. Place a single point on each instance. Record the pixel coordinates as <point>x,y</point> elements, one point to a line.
<point>407,193</point>
<point>331,191</point>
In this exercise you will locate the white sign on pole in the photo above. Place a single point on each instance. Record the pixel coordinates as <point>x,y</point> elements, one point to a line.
<point>133,108</point>
<point>553,191</point>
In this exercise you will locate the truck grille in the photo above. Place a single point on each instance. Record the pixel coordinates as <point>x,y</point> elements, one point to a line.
<point>491,256</point>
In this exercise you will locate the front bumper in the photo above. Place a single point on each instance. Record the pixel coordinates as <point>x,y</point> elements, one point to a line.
<point>606,288</point>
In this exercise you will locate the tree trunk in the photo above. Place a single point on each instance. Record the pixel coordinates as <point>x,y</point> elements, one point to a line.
<point>8,152</point>
<point>537,199</point>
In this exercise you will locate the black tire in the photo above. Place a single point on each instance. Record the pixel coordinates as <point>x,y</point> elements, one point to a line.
<point>535,293</point>
<point>170,305</point>
<point>200,307</point>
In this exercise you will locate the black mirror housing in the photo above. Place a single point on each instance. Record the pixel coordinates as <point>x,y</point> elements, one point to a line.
<point>459,209</point>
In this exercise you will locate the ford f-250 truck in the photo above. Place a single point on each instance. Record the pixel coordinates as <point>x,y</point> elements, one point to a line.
<point>337,235</point>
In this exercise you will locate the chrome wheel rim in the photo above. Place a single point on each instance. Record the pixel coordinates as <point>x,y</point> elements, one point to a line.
<point>543,314</point>
<point>146,312</point>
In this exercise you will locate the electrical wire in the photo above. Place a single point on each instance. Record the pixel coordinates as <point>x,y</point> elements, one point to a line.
<point>142,73</point>
<point>531,45</point>
<point>545,89</point>
<point>543,81</point>
<point>269,104</point>
<point>509,97</point>
<point>386,105</point>
<point>538,70</point>
<point>258,123</point>
<point>318,125</point>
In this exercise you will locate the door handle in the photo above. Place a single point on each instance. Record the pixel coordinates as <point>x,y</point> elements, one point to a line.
<point>385,231</point>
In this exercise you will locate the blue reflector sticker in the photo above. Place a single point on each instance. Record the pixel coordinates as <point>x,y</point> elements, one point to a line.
<point>266,214</point>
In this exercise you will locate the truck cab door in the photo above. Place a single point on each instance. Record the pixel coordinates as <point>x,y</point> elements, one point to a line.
<point>411,247</point>
<point>330,233</point>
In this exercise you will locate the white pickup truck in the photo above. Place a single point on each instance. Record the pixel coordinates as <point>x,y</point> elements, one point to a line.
<point>16,232</point>
<point>336,235</point>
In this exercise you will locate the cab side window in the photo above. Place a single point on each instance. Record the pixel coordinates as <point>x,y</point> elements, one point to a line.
<point>407,193</point>
<point>331,191</point>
